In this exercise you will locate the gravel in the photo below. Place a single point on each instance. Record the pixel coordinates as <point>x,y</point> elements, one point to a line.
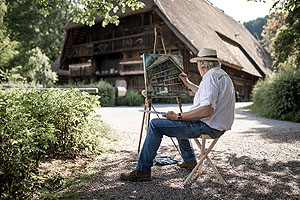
<point>258,158</point>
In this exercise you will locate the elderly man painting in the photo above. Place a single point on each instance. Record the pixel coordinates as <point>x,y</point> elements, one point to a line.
<point>212,113</point>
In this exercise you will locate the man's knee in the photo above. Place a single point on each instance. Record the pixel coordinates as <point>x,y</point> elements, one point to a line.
<point>155,124</point>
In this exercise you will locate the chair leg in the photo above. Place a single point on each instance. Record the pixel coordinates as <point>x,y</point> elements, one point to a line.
<point>216,171</point>
<point>194,170</point>
<point>200,161</point>
<point>202,153</point>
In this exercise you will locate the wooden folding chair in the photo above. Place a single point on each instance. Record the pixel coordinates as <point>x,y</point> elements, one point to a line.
<point>204,156</point>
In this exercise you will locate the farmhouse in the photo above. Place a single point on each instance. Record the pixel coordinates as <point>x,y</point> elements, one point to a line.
<point>114,53</point>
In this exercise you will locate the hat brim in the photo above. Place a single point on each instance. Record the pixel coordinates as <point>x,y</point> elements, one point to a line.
<point>194,60</point>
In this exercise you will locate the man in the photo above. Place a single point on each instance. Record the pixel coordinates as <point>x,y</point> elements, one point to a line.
<point>212,113</point>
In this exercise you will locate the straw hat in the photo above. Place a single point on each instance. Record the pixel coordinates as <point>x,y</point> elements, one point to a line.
<point>205,54</point>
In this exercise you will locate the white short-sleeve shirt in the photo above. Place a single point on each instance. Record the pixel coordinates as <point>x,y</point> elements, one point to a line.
<point>216,89</point>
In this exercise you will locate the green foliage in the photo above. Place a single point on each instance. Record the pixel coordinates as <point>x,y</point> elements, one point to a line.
<point>7,47</point>
<point>36,123</point>
<point>278,96</point>
<point>286,5</point>
<point>106,92</point>
<point>37,68</point>
<point>256,26</point>
<point>27,24</point>
<point>283,5</point>
<point>274,22</point>
<point>86,11</point>
<point>134,98</point>
<point>287,41</point>
<point>187,99</point>
<point>31,33</point>
<point>11,77</point>
<point>281,34</point>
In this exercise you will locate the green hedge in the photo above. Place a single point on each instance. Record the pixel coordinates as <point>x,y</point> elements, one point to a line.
<point>186,99</point>
<point>134,98</point>
<point>278,96</point>
<point>35,123</point>
<point>105,91</point>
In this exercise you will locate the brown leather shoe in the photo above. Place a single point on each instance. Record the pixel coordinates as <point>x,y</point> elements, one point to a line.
<point>136,175</point>
<point>187,165</point>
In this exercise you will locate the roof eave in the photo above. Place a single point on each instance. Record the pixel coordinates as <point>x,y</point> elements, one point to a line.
<point>176,31</point>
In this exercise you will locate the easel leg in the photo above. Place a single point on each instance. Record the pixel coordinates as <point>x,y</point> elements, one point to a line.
<point>141,133</point>
<point>148,103</point>
<point>148,119</point>
<point>179,104</point>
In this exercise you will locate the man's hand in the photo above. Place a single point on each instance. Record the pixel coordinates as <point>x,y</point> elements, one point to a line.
<point>183,77</point>
<point>171,115</point>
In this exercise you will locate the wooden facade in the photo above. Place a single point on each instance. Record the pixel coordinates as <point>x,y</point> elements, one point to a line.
<point>114,53</point>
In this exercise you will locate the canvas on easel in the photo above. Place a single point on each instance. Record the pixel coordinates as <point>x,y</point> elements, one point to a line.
<point>161,76</point>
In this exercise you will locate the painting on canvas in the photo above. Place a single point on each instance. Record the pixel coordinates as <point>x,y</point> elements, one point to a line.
<point>161,75</point>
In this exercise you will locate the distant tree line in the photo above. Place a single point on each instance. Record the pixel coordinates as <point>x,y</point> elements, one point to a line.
<point>255,26</point>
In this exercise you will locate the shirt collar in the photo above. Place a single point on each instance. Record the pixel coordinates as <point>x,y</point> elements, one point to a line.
<point>212,70</point>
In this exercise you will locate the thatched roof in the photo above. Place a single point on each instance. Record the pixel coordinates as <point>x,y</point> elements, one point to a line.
<point>199,24</point>
<point>204,25</point>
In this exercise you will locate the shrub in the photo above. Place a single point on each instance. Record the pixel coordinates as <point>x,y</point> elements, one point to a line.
<point>278,96</point>
<point>186,99</point>
<point>134,98</point>
<point>36,123</point>
<point>105,91</point>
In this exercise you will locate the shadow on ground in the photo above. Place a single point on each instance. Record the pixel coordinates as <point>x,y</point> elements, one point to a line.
<point>247,178</point>
<point>276,130</point>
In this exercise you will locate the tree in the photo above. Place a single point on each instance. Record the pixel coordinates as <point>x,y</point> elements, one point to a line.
<point>256,26</point>
<point>278,95</point>
<point>40,23</point>
<point>38,69</point>
<point>7,47</point>
<point>27,24</point>
<point>274,22</point>
<point>287,40</point>
<point>86,12</point>
<point>35,28</point>
<point>283,5</point>
<point>285,45</point>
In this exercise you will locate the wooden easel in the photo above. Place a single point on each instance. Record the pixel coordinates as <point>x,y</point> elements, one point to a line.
<point>148,101</point>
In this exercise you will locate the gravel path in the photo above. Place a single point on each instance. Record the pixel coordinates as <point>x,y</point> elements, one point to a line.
<point>258,158</point>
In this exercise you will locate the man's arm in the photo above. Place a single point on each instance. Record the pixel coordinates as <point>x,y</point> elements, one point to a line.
<point>187,82</point>
<point>199,113</point>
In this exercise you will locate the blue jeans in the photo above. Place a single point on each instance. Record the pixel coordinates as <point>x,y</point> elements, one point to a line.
<point>182,130</point>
